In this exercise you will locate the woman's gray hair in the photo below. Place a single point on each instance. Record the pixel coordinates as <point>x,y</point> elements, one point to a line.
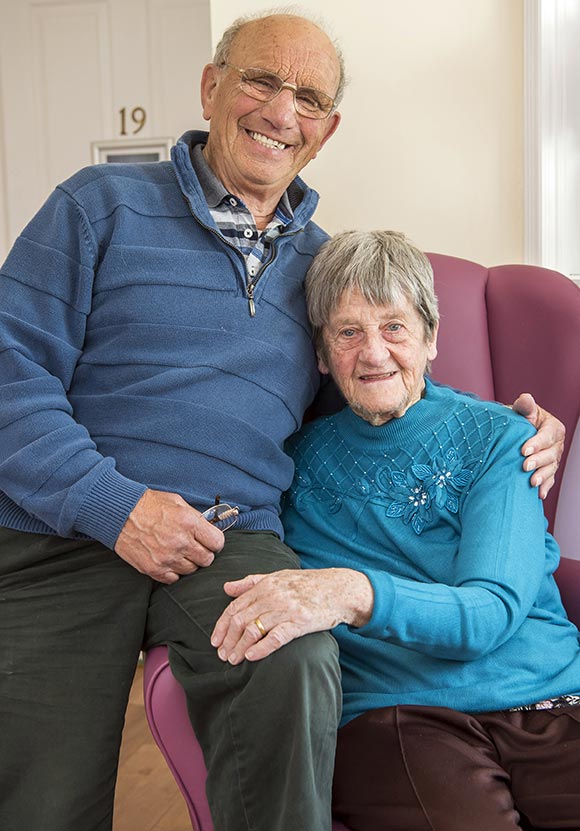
<point>224,47</point>
<point>382,265</point>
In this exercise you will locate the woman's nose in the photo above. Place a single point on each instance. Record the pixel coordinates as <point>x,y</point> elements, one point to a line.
<point>375,350</point>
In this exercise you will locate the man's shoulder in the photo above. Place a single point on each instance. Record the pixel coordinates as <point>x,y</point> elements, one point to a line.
<point>117,174</point>
<point>309,241</point>
<point>101,188</point>
<point>317,232</point>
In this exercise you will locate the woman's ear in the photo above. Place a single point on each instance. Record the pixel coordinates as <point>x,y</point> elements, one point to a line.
<point>432,350</point>
<point>322,365</point>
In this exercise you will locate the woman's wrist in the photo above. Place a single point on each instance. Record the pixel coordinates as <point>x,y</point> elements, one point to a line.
<point>359,597</point>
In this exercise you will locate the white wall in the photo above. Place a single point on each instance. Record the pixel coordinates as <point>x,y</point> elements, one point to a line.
<point>3,200</point>
<point>431,141</point>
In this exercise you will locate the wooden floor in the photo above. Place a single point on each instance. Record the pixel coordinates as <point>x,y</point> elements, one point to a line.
<point>147,797</point>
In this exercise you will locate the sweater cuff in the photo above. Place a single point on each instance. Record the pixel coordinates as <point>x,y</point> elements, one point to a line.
<point>384,601</point>
<point>105,510</point>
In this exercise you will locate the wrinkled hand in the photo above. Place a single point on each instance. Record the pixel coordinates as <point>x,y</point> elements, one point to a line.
<point>544,450</point>
<point>289,604</point>
<point>165,537</point>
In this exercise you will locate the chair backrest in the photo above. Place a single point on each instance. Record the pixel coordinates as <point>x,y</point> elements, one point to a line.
<point>464,355</point>
<point>507,330</point>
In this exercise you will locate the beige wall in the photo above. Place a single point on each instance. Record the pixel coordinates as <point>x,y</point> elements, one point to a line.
<point>431,140</point>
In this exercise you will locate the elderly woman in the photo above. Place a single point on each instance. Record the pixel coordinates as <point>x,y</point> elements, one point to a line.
<point>428,550</point>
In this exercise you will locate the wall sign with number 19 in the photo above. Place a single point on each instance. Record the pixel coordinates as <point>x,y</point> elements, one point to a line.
<point>137,116</point>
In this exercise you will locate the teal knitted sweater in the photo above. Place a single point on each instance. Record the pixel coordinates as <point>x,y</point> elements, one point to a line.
<point>435,509</point>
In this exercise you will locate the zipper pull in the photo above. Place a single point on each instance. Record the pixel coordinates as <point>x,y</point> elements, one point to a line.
<point>251,300</point>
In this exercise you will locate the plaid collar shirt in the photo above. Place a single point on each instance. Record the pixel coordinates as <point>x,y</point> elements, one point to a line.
<point>235,222</point>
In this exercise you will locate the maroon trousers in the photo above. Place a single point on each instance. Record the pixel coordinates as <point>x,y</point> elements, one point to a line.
<point>413,768</point>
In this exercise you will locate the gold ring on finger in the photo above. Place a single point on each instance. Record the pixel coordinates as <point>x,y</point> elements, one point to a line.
<point>261,627</point>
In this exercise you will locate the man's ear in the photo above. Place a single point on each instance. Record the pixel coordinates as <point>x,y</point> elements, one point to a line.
<point>209,85</point>
<point>332,123</point>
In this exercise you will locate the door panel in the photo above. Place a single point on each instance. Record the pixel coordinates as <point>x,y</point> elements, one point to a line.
<point>73,72</point>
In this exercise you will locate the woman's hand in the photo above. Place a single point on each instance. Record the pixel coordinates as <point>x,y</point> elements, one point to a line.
<point>286,605</point>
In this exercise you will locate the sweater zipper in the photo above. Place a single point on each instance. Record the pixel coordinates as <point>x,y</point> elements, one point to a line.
<point>250,284</point>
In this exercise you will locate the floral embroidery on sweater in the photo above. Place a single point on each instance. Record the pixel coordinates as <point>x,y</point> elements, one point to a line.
<point>411,494</point>
<point>414,492</point>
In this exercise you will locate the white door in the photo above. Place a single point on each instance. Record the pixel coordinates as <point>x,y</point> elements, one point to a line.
<point>75,72</point>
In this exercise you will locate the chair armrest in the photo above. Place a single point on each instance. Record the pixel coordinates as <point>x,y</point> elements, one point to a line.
<point>166,710</point>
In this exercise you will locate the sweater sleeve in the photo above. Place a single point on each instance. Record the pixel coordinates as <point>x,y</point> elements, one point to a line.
<point>49,465</point>
<point>498,568</point>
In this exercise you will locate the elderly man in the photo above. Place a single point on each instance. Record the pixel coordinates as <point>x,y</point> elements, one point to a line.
<point>155,356</point>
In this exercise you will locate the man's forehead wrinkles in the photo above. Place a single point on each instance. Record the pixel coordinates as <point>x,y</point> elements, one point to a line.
<point>313,65</point>
<point>312,69</point>
<point>295,67</point>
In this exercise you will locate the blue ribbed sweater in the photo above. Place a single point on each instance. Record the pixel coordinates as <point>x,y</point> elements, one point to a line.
<point>128,358</point>
<point>435,509</point>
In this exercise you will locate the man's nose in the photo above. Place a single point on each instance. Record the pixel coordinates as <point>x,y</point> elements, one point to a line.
<point>281,110</point>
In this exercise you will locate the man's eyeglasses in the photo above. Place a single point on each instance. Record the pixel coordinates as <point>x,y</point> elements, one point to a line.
<point>265,86</point>
<point>222,515</point>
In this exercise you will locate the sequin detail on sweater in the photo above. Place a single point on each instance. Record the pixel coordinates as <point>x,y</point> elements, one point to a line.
<point>414,488</point>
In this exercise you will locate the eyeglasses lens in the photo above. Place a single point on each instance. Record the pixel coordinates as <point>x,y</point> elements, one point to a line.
<point>265,86</point>
<point>223,516</point>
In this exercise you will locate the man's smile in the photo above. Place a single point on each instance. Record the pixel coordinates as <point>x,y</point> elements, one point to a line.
<point>266,141</point>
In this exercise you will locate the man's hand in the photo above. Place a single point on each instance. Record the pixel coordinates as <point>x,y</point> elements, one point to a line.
<point>288,604</point>
<point>165,537</point>
<point>544,450</point>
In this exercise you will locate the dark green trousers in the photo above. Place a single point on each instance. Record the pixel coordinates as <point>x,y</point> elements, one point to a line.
<point>73,617</point>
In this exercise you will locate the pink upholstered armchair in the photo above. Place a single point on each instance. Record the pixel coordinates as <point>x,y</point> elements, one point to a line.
<point>504,330</point>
